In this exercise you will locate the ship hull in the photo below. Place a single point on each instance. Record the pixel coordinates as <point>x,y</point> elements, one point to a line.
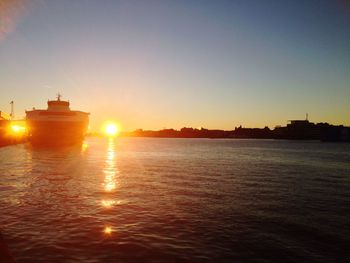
<point>57,125</point>
<point>56,132</point>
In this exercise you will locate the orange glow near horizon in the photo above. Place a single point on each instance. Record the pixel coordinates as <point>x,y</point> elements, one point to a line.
<point>17,129</point>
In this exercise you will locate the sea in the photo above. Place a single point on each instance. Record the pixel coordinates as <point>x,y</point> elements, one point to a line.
<point>177,200</point>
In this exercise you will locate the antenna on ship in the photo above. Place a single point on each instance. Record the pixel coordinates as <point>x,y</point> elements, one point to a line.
<point>307,116</point>
<point>12,110</point>
<point>59,96</point>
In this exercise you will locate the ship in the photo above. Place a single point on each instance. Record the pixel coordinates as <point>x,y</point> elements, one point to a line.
<point>57,125</point>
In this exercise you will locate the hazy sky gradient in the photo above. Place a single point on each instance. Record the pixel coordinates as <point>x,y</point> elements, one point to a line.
<point>156,64</point>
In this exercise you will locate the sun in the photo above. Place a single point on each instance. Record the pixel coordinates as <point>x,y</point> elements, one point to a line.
<point>111,129</point>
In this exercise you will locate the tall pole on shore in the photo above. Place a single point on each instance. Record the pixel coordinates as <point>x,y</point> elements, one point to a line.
<point>12,110</point>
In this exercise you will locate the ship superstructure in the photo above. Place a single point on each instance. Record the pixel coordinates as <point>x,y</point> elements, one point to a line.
<point>58,124</point>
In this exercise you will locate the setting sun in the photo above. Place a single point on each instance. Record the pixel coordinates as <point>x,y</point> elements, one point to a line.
<point>111,129</point>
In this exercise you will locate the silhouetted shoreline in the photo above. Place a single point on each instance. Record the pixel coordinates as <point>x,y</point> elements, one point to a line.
<point>295,130</point>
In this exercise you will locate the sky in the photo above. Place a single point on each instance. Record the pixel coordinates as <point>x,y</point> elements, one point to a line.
<point>182,63</point>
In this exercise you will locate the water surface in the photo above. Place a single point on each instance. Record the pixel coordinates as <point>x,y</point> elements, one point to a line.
<point>177,200</point>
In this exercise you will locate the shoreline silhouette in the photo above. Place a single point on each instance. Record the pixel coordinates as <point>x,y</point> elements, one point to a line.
<point>294,130</point>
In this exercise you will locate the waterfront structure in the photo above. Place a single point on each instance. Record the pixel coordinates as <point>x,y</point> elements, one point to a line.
<point>11,131</point>
<point>306,130</point>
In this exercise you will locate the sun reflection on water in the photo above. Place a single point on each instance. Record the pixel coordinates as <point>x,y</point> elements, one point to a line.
<point>108,230</point>
<point>107,203</point>
<point>110,171</point>
<point>84,147</point>
<point>110,181</point>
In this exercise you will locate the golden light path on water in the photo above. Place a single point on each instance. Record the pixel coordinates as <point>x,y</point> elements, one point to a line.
<point>84,147</point>
<point>110,179</point>
<point>110,170</point>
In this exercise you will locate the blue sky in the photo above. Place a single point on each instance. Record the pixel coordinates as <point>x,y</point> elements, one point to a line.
<point>157,64</point>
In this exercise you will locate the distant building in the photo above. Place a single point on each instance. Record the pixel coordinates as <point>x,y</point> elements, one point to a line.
<point>305,130</point>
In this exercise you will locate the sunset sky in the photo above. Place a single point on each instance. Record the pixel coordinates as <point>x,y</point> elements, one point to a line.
<point>169,64</point>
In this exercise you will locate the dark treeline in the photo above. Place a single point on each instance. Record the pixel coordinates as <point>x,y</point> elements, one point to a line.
<point>296,129</point>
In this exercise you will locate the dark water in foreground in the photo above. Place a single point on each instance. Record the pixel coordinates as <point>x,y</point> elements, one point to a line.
<point>176,200</point>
